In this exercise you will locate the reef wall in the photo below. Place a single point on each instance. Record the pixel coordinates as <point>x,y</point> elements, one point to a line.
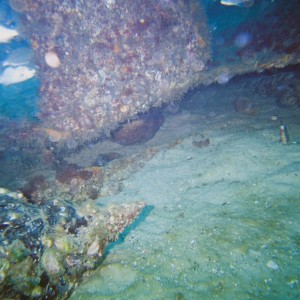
<point>102,62</point>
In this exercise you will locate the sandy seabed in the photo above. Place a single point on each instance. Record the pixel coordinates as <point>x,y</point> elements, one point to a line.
<point>223,221</point>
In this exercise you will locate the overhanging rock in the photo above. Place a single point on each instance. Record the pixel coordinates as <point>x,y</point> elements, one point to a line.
<point>102,62</point>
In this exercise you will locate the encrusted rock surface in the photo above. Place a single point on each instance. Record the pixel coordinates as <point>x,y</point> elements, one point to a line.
<point>44,250</point>
<point>103,62</point>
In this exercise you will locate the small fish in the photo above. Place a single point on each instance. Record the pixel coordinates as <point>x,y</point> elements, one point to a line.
<point>7,34</point>
<point>18,57</point>
<point>240,3</point>
<point>12,75</point>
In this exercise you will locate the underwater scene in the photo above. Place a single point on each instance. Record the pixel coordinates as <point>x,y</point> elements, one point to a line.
<point>150,149</point>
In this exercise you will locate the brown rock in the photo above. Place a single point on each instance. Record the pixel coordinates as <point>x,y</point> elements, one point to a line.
<point>140,130</point>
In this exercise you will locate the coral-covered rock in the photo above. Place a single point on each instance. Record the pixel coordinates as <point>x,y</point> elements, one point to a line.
<point>44,250</point>
<point>103,62</point>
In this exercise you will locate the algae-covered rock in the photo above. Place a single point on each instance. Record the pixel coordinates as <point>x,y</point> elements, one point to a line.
<point>103,62</point>
<point>44,250</point>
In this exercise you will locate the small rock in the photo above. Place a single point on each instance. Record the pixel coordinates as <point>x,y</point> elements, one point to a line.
<point>272,265</point>
<point>139,130</point>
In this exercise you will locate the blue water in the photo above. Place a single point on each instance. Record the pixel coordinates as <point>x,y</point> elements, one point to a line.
<point>17,101</point>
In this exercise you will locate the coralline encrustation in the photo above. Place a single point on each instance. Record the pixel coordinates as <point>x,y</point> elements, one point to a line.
<point>103,62</point>
<point>44,250</point>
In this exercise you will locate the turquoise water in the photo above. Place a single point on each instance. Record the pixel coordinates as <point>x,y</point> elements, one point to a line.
<point>20,101</point>
<point>17,101</point>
